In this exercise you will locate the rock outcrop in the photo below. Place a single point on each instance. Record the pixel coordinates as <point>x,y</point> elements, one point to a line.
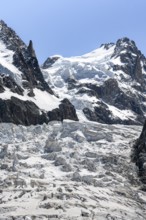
<point>139,154</point>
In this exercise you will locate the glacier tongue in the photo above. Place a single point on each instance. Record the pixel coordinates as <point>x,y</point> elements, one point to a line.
<point>73,170</point>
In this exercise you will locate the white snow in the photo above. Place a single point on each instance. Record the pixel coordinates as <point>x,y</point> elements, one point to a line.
<point>45,101</point>
<point>117,61</point>
<point>122,114</point>
<point>82,67</point>
<point>6,60</point>
<point>42,99</point>
<point>88,68</point>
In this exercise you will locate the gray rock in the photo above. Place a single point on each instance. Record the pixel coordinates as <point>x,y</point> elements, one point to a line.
<point>50,156</point>
<point>22,157</point>
<point>46,206</point>
<point>90,154</point>
<point>78,137</point>
<point>4,152</point>
<point>60,161</point>
<point>89,164</point>
<point>88,179</point>
<point>76,177</point>
<point>52,146</point>
<point>85,214</point>
<point>66,168</point>
<point>4,166</point>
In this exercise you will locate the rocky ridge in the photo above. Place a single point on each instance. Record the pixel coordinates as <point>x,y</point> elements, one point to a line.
<point>25,97</point>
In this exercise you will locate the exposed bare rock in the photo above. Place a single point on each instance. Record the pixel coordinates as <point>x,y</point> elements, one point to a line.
<point>139,154</point>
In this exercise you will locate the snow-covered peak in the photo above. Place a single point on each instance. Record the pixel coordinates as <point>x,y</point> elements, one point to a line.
<point>125,46</point>
<point>88,66</point>
<point>101,54</point>
<point>109,80</point>
<point>10,38</point>
<point>125,42</point>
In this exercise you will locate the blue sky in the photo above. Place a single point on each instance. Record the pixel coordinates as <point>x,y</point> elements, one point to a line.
<point>75,27</point>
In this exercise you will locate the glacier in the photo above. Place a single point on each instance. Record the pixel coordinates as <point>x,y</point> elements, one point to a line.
<point>70,170</point>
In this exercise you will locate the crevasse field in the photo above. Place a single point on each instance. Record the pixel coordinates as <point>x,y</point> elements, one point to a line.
<point>73,170</point>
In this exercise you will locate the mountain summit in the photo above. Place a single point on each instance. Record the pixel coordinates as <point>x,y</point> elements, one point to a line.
<point>25,97</point>
<point>106,85</point>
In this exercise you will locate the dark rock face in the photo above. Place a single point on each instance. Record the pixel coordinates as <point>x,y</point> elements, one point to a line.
<point>27,113</point>
<point>7,81</point>
<point>129,55</point>
<point>10,38</point>
<point>21,112</point>
<point>139,154</point>
<point>100,114</point>
<point>66,111</point>
<point>31,49</point>
<point>15,110</point>
<point>111,94</point>
<point>103,115</point>
<point>50,61</point>
<point>24,59</point>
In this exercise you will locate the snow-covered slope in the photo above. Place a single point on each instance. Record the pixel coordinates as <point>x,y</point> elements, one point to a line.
<point>70,171</point>
<point>6,64</point>
<point>7,68</point>
<point>107,85</point>
<point>25,97</point>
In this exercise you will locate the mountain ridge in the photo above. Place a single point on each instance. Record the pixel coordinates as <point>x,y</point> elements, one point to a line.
<point>120,66</point>
<point>25,97</point>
